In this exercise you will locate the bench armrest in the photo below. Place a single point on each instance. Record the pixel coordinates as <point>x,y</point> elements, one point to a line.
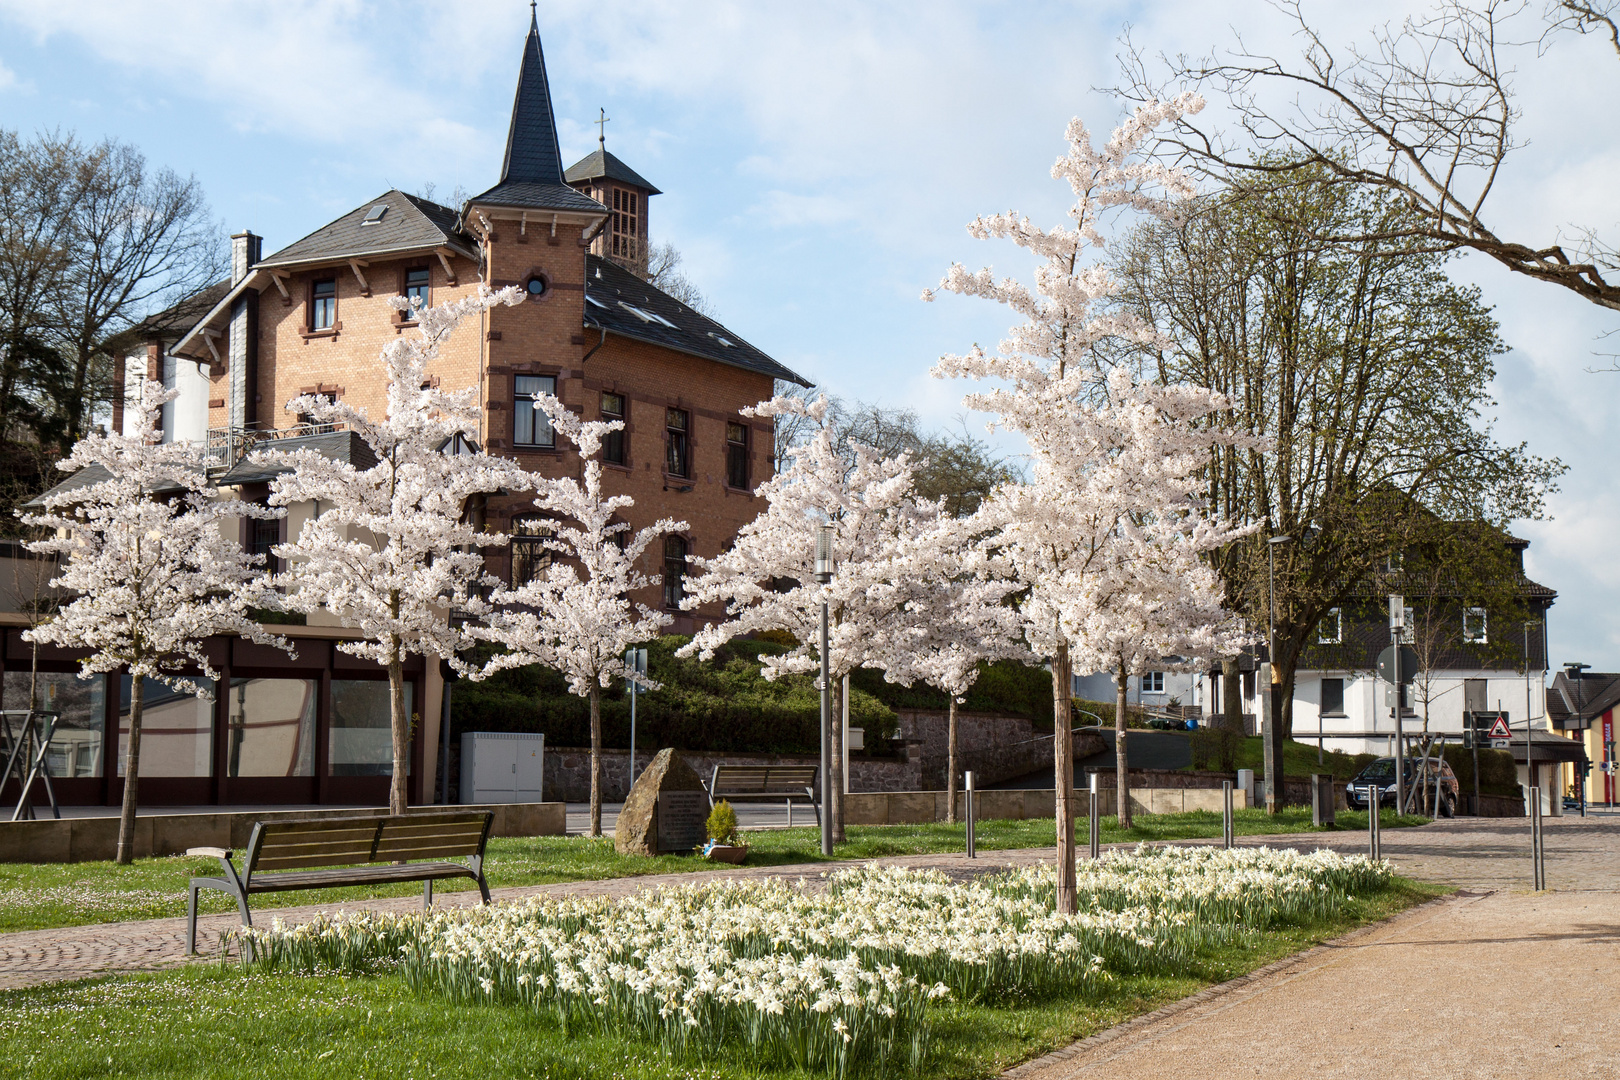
<point>211,852</point>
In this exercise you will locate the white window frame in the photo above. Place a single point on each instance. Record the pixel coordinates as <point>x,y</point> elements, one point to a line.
<point>1337,638</point>
<point>1483,636</point>
<point>1152,682</point>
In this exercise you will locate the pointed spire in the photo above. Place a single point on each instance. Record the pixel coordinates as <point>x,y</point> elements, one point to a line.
<point>532,171</point>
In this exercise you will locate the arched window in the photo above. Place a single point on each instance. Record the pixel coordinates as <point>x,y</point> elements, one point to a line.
<point>530,555</point>
<point>675,551</point>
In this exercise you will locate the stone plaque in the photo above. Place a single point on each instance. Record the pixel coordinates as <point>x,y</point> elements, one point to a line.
<point>683,818</point>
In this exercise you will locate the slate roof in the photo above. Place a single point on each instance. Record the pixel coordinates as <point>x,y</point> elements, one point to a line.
<point>338,445</point>
<point>1575,703</point>
<point>532,171</point>
<point>626,306</point>
<point>85,477</point>
<point>173,321</point>
<point>603,164</point>
<point>408,224</point>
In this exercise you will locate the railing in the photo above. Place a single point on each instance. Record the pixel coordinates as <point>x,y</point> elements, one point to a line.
<point>227,446</point>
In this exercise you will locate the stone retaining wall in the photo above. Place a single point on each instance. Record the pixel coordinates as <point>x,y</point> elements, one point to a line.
<point>568,770</point>
<point>921,807</point>
<point>83,839</point>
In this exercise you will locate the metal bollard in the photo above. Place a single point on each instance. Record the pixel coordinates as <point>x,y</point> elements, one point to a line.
<point>1096,820</point>
<point>972,849</point>
<point>1375,799</point>
<point>1537,866</point>
<point>1226,814</point>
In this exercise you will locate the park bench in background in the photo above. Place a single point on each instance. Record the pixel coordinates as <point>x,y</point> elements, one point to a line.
<point>327,853</point>
<point>766,782</point>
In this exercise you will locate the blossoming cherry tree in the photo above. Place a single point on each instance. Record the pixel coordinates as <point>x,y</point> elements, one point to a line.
<point>391,553</point>
<point>577,616</point>
<point>154,578</point>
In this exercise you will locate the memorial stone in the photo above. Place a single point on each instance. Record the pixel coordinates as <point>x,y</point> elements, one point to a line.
<point>666,809</point>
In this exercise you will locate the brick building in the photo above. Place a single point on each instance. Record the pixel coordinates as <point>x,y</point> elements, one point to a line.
<point>312,317</point>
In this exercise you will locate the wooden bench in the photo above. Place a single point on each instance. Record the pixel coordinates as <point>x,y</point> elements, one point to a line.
<point>354,851</point>
<point>787,782</point>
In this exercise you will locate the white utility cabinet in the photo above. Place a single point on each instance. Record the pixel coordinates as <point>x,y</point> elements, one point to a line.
<point>502,767</point>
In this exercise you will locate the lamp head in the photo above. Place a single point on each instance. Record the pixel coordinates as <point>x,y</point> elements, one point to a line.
<point>825,566</point>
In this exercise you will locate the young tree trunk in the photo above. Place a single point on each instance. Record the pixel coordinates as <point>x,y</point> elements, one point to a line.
<point>953,766</point>
<point>836,765</point>
<point>132,774</point>
<point>1232,712</point>
<point>596,758</point>
<point>1063,759</point>
<point>401,730</point>
<point>1122,772</point>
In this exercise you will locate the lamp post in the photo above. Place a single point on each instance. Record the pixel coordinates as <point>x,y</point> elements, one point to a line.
<point>1271,741</point>
<point>824,573</point>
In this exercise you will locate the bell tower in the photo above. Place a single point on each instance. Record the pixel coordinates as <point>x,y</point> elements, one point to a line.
<point>625,193</point>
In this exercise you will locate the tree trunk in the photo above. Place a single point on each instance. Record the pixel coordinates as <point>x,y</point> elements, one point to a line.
<point>132,774</point>
<point>1063,760</point>
<point>836,765</point>
<point>1122,772</point>
<point>401,731</point>
<point>1231,711</point>
<point>953,765</point>
<point>596,758</point>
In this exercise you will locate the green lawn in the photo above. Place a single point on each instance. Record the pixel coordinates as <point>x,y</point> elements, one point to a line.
<point>214,1021</point>
<point>39,895</point>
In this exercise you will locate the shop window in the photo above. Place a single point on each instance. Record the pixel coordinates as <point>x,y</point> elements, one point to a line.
<point>80,706</point>
<point>360,742</point>
<point>177,730</point>
<point>270,727</point>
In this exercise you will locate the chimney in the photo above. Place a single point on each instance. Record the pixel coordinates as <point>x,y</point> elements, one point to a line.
<point>246,249</point>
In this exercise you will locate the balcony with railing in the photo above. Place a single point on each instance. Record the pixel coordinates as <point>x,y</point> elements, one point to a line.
<point>228,446</point>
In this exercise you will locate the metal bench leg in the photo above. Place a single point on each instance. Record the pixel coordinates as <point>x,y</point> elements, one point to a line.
<point>191,920</point>
<point>815,802</point>
<point>790,811</point>
<point>427,894</point>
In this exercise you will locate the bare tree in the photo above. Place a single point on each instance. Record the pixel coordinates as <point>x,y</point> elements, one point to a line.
<point>664,274</point>
<point>1425,111</point>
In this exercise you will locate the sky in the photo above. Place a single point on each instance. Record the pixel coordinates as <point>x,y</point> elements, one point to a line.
<point>818,163</point>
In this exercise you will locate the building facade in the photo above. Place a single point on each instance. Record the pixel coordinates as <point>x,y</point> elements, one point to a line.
<point>312,318</point>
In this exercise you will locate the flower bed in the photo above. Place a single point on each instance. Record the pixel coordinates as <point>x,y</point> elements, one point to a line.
<point>825,978</point>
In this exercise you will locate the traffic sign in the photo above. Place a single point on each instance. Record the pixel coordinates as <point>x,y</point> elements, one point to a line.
<point>1501,744</point>
<point>1409,664</point>
<point>1499,730</point>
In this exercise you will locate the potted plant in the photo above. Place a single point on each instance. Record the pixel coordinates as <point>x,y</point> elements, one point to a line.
<point>723,845</point>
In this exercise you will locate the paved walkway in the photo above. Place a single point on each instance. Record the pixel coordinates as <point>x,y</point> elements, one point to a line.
<point>1496,981</point>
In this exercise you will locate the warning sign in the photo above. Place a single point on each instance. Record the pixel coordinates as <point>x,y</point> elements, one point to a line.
<point>1499,730</point>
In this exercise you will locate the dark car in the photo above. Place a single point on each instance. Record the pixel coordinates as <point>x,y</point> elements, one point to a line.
<point>1381,774</point>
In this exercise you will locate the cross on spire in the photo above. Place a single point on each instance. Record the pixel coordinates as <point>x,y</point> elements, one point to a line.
<point>601,128</point>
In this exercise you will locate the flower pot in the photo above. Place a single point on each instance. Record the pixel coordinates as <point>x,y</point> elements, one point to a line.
<point>728,853</point>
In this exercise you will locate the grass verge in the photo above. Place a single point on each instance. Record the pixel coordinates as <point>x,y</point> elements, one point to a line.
<point>36,896</point>
<point>214,1021</point>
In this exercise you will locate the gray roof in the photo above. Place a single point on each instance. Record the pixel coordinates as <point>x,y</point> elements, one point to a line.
<point>338,445</point>
<point>408,223</point>
<point>626,306</point>
<point>85,477</point>
<point>603,164</point>
<point>532,172</point>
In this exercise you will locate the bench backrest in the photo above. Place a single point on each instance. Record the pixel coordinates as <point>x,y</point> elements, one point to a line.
<point>762,779</point>
<point>347,841</point>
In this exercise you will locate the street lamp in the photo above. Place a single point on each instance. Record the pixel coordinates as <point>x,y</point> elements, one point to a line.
<point>1271,742</point>
<point>825,566</point>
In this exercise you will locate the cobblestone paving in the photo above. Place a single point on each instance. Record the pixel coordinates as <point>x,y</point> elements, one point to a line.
<point>1482,853</point>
